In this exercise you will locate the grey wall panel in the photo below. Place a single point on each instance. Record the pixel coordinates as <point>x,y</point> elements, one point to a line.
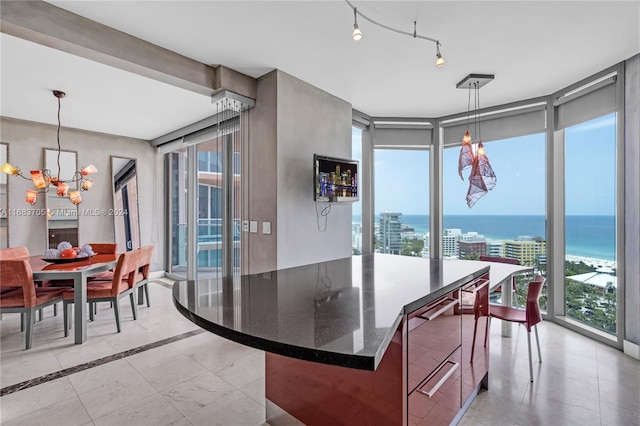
<point>632,199</point>
<point>310,121</point>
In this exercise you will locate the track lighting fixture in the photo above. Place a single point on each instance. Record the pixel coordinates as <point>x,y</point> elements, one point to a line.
<point>357,33</point>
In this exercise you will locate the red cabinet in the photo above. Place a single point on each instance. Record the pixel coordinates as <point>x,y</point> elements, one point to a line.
<point>433,362</point>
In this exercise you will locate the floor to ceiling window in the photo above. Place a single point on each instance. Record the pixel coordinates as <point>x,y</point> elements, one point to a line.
<point>509,220</point>
<point>590,223</point>
<point>401,185</point>
<point>356,208</point>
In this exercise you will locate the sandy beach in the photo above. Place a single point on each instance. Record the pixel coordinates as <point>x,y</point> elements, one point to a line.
<point>591,261</point>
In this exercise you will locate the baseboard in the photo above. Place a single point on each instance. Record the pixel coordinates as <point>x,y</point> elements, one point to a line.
<point>156,274</point>
<point>631,349</point>
<point>276,416</point>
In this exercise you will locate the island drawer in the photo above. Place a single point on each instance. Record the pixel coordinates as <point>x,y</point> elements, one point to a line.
<point>436,401</point>
<point>434,333</point>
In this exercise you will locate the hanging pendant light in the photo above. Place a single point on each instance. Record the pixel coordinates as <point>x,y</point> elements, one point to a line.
<point>43,179</point>
<point>482,178</point>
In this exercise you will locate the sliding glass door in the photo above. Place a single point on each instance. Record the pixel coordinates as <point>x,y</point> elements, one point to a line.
<point>205,236</point>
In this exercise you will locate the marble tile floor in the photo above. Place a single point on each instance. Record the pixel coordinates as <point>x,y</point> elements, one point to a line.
<point>164,370</point>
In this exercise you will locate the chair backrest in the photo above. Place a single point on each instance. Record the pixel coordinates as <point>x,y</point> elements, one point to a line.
<point>104,248</point>
<point>13,253</point>
<point>481,303</point>
<point>18,273</point>
<point>532,306</point>
<point>146,257</point>
<point>126,269</point>
<point>499,259</point>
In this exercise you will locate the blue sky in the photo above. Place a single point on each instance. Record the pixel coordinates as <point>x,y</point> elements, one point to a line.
<point>402,181</point>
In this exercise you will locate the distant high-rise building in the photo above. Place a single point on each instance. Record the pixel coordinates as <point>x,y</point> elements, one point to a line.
<point>356,236</point>
<point>473,249</point>
<point>390,234</point>
<point>472,237</point>
<point>495,248</point>
<point>450,240</point>
<point>526,251</point>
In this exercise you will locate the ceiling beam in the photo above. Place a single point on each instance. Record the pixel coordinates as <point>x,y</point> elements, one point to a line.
<point>45,24</point>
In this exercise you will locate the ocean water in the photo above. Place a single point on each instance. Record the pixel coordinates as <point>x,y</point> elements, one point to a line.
<point>589,236</point>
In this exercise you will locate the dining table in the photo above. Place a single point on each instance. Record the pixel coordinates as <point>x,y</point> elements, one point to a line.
<point>78,270</point>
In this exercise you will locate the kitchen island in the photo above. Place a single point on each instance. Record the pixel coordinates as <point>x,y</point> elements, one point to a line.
<point>372,339</point>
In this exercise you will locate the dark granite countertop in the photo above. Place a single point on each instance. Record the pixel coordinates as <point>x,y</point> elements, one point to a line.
<point>342,312</point>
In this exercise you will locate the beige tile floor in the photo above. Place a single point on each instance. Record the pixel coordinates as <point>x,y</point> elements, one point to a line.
<point>207,380</point>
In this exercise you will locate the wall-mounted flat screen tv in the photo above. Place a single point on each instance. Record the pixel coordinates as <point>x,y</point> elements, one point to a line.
<point>335,179</point>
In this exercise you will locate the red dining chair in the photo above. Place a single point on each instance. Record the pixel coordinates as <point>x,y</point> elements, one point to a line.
<point>18,253</point>
<point>110,291</point>
<point>480,309</point>
<point>142,277</point>
<point>497,259</point>
<point>529,316</point>
<point>25,298</point>
<point>12,253</point>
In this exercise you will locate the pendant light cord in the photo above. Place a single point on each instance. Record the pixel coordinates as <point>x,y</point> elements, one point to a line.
<point>58,137</point>
<point>478,115</point>
<point>468,106</point>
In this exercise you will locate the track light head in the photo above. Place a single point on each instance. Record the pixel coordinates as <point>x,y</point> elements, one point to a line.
<point>439,59</point>
<point>357,34</point>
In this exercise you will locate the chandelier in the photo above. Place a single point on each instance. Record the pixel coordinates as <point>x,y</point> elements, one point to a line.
<point>482,178</point>
<point>43,180</point>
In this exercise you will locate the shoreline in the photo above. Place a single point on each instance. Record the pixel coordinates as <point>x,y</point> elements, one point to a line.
<point>591,261</point>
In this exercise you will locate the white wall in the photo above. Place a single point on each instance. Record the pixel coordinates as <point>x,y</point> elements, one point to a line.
<point>27,140</point>
<point>309,121</point>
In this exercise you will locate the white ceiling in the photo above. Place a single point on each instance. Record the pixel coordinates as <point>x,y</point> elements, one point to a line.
<point>534,48</point>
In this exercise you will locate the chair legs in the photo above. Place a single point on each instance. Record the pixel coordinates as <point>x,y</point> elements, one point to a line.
<point>486,335</point>
<point>116,311</point>
<point>134,309</point>
<point>535,328</point>
<point>146,294</point>
<point>529,347</point>
<point>30,320</point>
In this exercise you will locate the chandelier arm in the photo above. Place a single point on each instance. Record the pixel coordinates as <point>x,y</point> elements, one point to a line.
<point>412,35</point>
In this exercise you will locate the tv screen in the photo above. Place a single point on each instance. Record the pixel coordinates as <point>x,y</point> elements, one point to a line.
<point>335,179</point>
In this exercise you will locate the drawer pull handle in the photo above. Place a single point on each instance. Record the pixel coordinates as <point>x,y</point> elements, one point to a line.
<point>454,366</point>
<point>430,315</point>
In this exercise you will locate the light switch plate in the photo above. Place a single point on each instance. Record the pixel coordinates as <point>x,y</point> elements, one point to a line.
<point>253,226</point>
<point>266,228</point>
<point>245,226</point>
